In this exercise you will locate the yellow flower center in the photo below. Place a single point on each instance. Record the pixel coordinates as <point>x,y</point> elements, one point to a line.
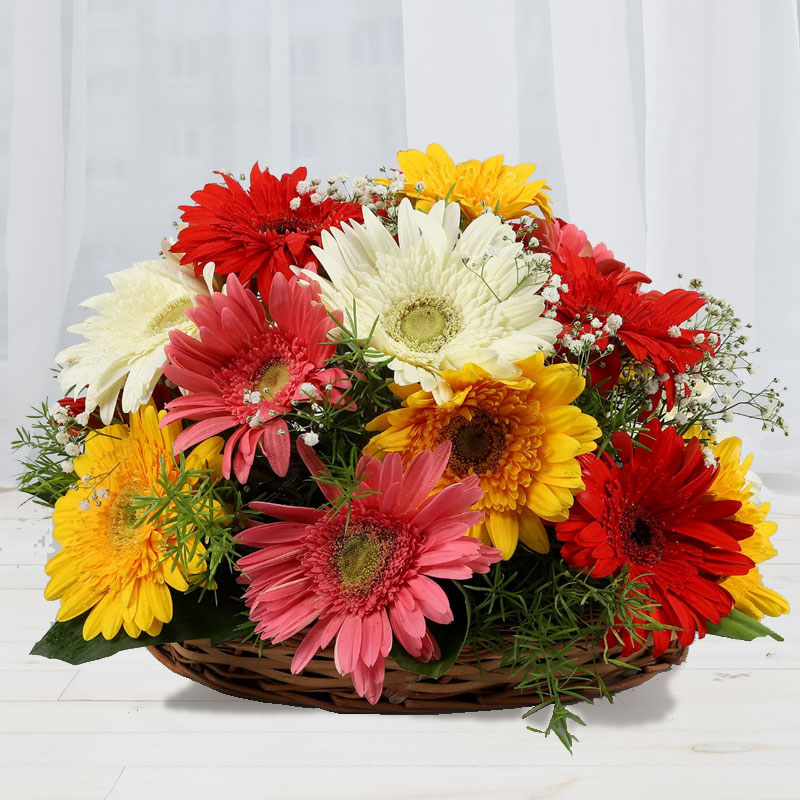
<point>168,316</point>
<point>273,378</point>
<point>362,557</point>
<point>124,518</point>
<point>423,321</point>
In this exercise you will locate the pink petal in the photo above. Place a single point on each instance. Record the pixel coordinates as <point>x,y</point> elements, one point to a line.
<point>431,599</point>
<point>272,533</point>
<point>423,474</point>
<point>288,513</point>
<point>189,380</point>
<point>244,456</point>
<point>458,572</point>
<point>348,644</point>
<point>368,680</point>
<point>201,431</point>
<point>277,446</point>
<point>318,637</point>
<point>371,637</point>
<point>408,626</point>
<point>454,499</point>
<point>227,453</point>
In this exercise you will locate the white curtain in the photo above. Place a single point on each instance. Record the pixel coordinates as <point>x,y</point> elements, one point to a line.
<point>670,129</point>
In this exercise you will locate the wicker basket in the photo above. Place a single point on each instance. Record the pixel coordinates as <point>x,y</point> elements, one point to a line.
<point>475,682</point>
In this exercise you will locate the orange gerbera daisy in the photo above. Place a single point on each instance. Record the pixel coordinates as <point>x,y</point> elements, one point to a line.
<point>521,437</point>
<point>477,186</point>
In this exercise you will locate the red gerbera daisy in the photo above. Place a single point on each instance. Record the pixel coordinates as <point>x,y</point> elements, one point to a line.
<point>364,574</point>
<point>650,321</point>
<point>245,372</point>
<point>650,513</point>
<point>256,233</point>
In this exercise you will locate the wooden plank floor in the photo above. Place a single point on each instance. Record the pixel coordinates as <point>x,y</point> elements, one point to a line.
<point>724,725</point>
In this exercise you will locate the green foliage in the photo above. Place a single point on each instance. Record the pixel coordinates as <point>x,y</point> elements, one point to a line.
<point>197,615</point>
<point>450,638</point>
<point>535,610</point>
<point>738,625</point>
<point>191,510</point>
<point>43,476</point>
<point>623,408</point>
<point>341,425</point>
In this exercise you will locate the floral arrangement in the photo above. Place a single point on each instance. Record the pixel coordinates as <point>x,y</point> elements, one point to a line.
<point>403,415</point>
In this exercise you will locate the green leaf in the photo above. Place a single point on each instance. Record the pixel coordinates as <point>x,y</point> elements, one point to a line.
<point>738,625</point>
<point>450,638</point>
<point>210,617</point>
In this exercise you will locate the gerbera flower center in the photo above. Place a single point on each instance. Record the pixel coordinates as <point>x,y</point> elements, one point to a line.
<point>273,377</point>
<point>284,225</point>
<point>168,316</point>
<point>362,556</point>
<point>359,565</point>
<point>423,321</point>
<point>124,517</point>
<point>478,443</point>
<point>641,536</point>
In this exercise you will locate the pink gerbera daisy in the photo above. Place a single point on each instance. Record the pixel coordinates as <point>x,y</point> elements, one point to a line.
<point>364,573</point>
<point>246,371</point>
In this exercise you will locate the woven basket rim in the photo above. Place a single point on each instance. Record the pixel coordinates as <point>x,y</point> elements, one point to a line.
<point>476,681</point>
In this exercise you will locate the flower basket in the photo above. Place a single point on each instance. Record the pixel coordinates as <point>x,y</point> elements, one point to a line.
<point>402,444</point>
<point>476,682</point>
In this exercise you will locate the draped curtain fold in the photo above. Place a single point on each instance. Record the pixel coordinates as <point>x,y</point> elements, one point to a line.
<point>668,129</point>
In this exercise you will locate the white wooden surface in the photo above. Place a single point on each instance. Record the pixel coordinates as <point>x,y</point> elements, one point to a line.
<point>724,725</point>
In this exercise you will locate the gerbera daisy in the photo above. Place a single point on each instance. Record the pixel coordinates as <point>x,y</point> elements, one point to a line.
<point>126,339</point>
<point>650,513</point>
<point>647,324</point>
<point>110,561</point>
<point>557,237</point>
<point>519,437</point>
<point>246,371</point>
<point>477,186</point>
<point>364,573</point>
<point>257,232</point>
<point>732,482</point>
<point>437,298</point>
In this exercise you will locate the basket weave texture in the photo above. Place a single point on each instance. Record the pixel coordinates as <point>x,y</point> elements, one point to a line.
<point>477,681</point>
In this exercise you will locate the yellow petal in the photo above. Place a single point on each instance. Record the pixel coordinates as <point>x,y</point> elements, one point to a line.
<point>543,502</point>
<point>532,532</point>
<point>503,527</point>
<point>207,455</point>
<point>76,600</point>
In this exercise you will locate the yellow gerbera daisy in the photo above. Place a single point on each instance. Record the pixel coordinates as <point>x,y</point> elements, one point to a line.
<point>521,437</point>
<point>750,595</point>
<point>475,185</point>
<point>108,563</point>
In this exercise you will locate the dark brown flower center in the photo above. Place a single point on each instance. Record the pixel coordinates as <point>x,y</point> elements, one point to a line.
<point>284,225</point>
<point>478,443</point>
<point>641,536</point>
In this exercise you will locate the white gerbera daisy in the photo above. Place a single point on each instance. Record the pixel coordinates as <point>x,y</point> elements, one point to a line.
<point>126,339</point>
<point>442,298</point>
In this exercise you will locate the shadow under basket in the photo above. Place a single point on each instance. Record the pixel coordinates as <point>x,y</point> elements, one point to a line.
<point>476,682</point>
